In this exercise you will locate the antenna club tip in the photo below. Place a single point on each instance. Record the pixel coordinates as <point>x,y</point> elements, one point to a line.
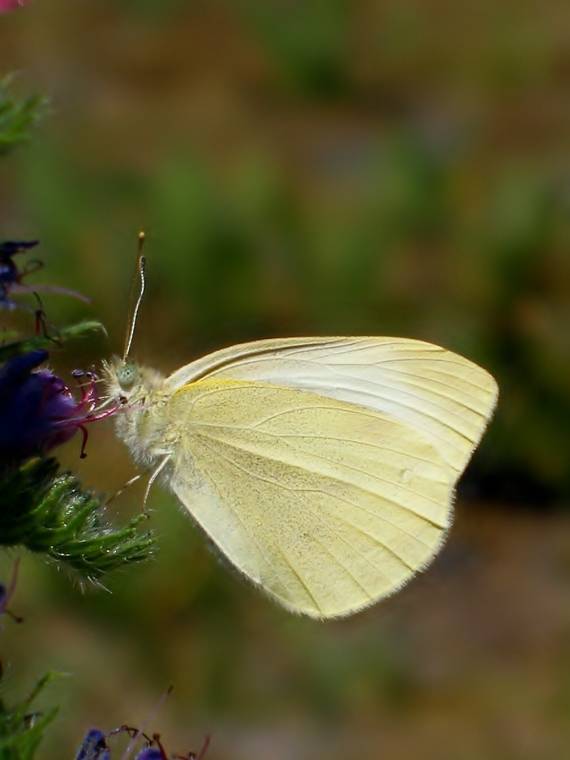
<point>141,239</point>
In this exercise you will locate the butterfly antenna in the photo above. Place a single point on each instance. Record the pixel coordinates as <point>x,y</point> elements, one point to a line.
<point>137,293</point>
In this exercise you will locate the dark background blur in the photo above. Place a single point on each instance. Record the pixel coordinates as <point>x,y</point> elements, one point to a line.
<point>323,167</point>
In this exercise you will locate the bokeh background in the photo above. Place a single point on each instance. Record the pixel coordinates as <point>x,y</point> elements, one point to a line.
<point>323,167</point>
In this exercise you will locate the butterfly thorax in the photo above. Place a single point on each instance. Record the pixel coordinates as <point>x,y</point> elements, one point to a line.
<point>141,421</point>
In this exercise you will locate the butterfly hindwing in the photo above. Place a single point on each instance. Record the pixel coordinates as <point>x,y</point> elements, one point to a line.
<point>327,505</point>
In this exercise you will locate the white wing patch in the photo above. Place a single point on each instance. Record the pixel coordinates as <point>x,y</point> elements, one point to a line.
<point>440,395</point>
<point>328,506</point>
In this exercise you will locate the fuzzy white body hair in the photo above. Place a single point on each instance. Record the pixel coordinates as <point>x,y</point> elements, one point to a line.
<point>142,422</point>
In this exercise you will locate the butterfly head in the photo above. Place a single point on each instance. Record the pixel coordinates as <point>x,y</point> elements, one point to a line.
<point>128,382</point>
<point>128,376</point>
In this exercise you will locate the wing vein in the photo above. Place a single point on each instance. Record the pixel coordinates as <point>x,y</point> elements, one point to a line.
<point>332,462</point>
<point>376,540</point>
<point>301,580</point>
<point>416,396</point>
<point>402,486</point>
<point>381,497</point>
<point>436,392</point>
<point>366,345</point>
<point>341,564</point>
<point>323,437</point>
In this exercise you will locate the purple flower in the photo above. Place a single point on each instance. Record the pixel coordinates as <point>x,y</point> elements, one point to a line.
<point>151,753</point>
<point>94,747</point>
<point>37,409</point>
<point>11,276</point>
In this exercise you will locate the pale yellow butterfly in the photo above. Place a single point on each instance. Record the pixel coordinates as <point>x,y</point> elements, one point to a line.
<point>322,468</point>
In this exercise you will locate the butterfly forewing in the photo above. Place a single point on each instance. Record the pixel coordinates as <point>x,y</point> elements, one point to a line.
<point>440,395</point>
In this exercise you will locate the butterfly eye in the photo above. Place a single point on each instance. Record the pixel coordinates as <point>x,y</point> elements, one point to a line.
<point>127,376</point>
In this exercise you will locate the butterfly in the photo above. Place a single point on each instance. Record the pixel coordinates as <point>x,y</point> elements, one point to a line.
<point>323,468</point>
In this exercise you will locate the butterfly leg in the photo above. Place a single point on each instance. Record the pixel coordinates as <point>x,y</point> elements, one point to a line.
<point>122,489</point>
<point>152,478</point>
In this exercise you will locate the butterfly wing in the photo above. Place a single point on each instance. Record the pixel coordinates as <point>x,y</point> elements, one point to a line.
<point>441,396</point>
<point>324,468</point>
<point>327,505</point>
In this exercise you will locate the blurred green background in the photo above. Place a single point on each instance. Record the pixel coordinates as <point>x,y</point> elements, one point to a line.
<point>333,167</point>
